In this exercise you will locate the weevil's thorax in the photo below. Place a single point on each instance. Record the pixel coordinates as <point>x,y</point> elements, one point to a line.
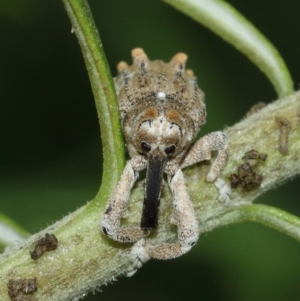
<point>160,103</point>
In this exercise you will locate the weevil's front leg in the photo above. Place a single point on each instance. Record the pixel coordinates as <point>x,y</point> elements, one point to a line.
<point>185,220</point>
<point>116,208</point>
<point>215,141</point>
<point>201,151</point>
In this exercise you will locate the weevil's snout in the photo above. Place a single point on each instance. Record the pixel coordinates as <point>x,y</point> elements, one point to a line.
<point>154,177</point>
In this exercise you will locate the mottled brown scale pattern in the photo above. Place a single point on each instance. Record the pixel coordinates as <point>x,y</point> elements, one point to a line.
<point>178,90</point>
<point>162,110</point>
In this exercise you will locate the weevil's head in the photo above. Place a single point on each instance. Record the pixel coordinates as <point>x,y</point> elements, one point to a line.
<point>161,135</point>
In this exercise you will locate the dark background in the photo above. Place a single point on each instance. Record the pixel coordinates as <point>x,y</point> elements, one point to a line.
<point>50,154</point>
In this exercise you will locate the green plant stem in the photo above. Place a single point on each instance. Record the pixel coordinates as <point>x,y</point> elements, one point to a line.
<point>269,216</point>
<point>85,259</point>
<point>230,25</point>
<point>104,94</point>
<point>10,231</point>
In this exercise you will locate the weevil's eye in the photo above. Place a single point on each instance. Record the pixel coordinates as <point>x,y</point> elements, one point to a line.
<point>170,149</point>
<point>145,147</point>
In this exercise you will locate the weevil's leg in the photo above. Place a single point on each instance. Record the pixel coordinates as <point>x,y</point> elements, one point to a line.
<point>224,190</point>
<point>185,220</point>
<point>137,257</point>
<point>116,208</point>
<point>215,141</point>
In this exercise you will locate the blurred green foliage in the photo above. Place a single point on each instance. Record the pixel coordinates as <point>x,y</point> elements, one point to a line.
<point>50,155</point>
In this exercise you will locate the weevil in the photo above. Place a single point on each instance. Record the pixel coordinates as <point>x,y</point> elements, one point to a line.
<point>162,110</point>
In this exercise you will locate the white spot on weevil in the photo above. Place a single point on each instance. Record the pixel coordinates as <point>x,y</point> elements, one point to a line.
<point>161,95</point>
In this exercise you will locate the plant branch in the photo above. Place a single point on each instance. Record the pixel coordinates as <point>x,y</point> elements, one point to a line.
<point>104,94</point>
<point>85,259</point>
<point>10,231</point>
<point>234,28</point>
<point>266,215</point>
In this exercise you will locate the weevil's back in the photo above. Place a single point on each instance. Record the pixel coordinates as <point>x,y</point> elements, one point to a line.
<point>149,89</point>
